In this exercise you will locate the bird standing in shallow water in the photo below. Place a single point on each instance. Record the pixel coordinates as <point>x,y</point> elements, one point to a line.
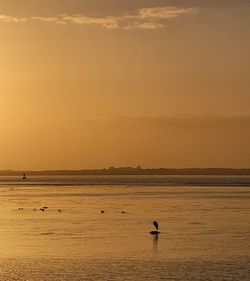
<point>156,225</point>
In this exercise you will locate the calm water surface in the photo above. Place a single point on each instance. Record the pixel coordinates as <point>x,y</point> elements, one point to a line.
<point>204,224</point>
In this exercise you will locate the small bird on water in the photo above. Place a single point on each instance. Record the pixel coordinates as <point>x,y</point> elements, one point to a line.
<point>156,225</point>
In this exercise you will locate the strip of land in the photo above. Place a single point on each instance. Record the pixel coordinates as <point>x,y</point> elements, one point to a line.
<point>135,171</point>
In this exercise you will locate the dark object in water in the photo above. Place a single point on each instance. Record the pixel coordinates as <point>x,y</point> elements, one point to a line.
<point>155,223</point>
<point>42,210</point>
<point>154,232</point>
<point>102,212</point>
<point>45,207</point>
<point>24,177</point>
<point>123,212</point>
<point>59,211</point>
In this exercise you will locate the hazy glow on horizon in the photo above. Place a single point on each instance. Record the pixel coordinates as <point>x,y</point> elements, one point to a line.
<point>91,84</point>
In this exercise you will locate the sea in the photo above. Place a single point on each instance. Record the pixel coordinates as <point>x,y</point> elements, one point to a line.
<point>98,228</point>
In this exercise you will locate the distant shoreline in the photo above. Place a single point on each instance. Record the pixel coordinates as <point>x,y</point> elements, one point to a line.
<point>135,171</point>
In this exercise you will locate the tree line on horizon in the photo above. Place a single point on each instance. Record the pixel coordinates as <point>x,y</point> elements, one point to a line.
<point>135,171</point>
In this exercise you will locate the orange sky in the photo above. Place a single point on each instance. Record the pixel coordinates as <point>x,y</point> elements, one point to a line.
<point>97,83</point>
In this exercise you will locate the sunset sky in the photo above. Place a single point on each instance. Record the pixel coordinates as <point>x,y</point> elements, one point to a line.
<point>98,83</point>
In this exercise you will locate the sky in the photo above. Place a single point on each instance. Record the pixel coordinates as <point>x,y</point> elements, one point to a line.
<point>99,83</point>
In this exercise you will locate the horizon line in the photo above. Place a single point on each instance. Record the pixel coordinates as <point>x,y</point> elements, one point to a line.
<point>122,171</point>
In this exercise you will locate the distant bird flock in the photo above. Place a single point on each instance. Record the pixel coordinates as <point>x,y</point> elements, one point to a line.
<point>44,208</point>
<point>152,232</point>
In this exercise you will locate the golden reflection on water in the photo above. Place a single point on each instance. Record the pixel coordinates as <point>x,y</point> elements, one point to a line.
<point>194,222</point>
<point>155,242</point>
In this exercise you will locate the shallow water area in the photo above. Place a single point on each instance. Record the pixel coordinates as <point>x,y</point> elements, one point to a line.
<point>205,230</point>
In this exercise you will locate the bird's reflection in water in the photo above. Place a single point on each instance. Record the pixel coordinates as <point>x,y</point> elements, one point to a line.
<point>155,242</point>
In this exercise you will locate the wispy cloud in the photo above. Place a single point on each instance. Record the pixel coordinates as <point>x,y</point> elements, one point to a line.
<point>10,19</point>
<point>191,121</point>
<point>55,20</point>
<point>106,22</point>
<point>164,12</point>
<point>212,121</point>
<point>144,18</point>
<point>145,25</point>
